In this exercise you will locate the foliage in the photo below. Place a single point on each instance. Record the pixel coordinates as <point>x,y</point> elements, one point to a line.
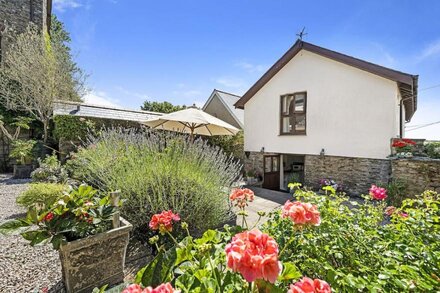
<point>158,171</point>
<point>17,122</point>
<point>354,250</point>
<point>403,145</point>
<point>233,145</point>
<point>40,195</point>
<point>74,215</point>
<point>161,107</point>
<point>50,170</point>
<point>433,149</point>
<point>73,128</point>
<point>36,71</point>
<point>397,191</point>
<point>22,150</point>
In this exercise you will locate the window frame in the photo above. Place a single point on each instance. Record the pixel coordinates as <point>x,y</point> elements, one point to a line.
<point>294,114</point>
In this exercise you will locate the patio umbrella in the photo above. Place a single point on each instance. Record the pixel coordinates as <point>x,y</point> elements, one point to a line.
<point>192,121</point>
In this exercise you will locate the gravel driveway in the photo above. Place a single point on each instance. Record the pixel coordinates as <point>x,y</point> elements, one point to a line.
<point>29,269</point>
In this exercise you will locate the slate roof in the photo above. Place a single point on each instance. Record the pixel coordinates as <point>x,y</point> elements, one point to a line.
<point>228,100</point>
<point>104,112</point>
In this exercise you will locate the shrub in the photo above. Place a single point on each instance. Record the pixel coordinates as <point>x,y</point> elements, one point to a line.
<point>74,215</point>
<point>22,150</point>
<point>158,171</point>
<point>354,250</point>
<point>433,149</point>
<point>50,170</point>
<point>40,195</point>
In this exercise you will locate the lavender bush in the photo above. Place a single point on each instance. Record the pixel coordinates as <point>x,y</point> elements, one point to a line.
<point>158,171</point>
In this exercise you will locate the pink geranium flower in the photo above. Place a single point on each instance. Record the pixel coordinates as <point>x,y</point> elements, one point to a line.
<point>164,221</point>
<point>378,193</point>
<point>163,288</point>
<point>254,255</point>
<point>301,213</point>
<point>241,197</point>
<point>307,285</point>
<point>133,288</point>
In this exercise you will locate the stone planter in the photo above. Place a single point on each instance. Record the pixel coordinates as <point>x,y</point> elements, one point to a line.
<point>96,260</point>
<point>23,171</point>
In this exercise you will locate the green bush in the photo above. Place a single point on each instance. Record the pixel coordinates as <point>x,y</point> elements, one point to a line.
<point>40,195</point>
<point>158,171</point>
<point>49,170</point>
<point>397,191</point>
<point>433,149</point>
<point>356,249</point>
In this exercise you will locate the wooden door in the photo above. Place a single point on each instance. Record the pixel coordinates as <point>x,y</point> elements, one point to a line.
<point>271,172</point>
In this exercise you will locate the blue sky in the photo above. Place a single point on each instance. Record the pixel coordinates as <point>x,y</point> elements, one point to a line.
<point>179,51</point>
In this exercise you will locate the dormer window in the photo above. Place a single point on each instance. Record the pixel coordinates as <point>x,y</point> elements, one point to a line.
<point>293,114</point>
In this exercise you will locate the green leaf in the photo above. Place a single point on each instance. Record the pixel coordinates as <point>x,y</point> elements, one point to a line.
<point>12,226</point>
<point>290,272</point>
<point>266,287</point>
<point>160,269</point>
<point>57,240</point>
<point>36,237</point>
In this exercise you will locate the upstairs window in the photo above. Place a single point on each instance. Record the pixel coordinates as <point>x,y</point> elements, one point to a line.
<point>293,114</point>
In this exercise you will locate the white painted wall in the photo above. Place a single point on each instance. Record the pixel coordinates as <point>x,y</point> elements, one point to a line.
<point>350,112</point>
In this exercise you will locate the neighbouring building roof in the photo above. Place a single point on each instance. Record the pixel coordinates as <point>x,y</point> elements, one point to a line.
<point>407,83</point>
<point>228,100</point>
<point>103,112</point>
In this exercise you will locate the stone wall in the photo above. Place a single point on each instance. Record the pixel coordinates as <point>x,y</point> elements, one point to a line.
<point>254,162</point>
<point>17,14</point>
<point>355,174</point>
<point>418,173</point>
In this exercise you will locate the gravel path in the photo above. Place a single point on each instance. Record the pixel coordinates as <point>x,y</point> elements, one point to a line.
<point>24,268</point>
<point>32,269</point>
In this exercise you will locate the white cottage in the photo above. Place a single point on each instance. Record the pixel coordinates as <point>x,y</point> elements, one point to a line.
<point>316,107</point>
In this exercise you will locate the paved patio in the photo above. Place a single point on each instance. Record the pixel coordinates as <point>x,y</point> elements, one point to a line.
<point>265,200</point>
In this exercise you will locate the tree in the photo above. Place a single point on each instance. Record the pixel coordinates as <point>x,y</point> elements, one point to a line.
<point>161,107</point>
<point>37,70</point>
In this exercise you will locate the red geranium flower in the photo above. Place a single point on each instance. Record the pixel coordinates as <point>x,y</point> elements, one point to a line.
<point>254,255</point>
<point>378,193</point>
<point>241,197</point>
<point>409,141</point>
<point>164,221</point>
<point>163,288</point>
<point>48,217</point>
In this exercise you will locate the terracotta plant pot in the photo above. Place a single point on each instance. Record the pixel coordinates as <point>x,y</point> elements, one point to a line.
<point>96,260</point>
<point>23,171</point>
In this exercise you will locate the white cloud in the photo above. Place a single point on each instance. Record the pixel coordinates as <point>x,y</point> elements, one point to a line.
<point>131,93</point>
<point>428,111</point>
<point>62,5</point>
<point>101,99</point>
<point>230,82</point>
<point>251,68</point>
<point>431,50</point>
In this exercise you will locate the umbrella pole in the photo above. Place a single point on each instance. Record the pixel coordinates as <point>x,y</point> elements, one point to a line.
<point>192,135</point>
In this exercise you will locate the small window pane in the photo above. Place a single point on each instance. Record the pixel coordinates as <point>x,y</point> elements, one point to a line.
<point>299,102</point>
<point>267,164</point>
<point>287,125</point>
<point>287,100</point>
<point>300,123</point>
<point>275,164</point>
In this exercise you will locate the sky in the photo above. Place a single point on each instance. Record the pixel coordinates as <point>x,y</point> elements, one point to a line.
<point>179,51</point>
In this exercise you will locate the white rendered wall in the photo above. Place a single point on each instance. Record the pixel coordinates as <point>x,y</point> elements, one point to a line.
<point>350,112</point>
